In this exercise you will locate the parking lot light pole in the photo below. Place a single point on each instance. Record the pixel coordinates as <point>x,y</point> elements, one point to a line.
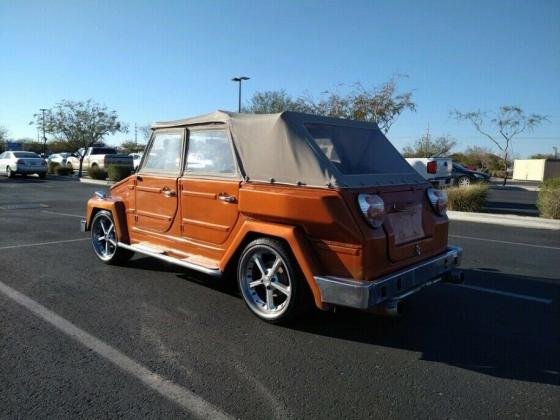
<point>239,80</point>
<point>44,137</point>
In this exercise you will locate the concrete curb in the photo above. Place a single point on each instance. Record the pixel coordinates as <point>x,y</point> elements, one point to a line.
<point>515,186</point>
<point>505,220</point>
<point>96,182</point>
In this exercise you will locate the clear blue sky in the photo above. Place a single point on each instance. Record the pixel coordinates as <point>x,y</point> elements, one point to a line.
<point>160,60</point>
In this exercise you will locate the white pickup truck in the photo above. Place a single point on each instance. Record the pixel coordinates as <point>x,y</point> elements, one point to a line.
<point>101,157</point>
<point>437,171</point>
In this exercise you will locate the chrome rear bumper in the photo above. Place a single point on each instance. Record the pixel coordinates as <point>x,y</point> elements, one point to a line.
<point>390,288</point>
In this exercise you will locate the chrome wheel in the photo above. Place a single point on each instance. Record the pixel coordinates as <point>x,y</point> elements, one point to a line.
<point>464,181</point>
<point>103,236</point>
<point>265,279</point>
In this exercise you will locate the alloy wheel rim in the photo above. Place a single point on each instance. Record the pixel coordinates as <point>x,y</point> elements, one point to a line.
<point>266,283</point>
<point>464,181</point>
<point>104,238</point>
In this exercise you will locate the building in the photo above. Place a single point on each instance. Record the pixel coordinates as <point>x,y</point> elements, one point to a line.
<point>535,169</point>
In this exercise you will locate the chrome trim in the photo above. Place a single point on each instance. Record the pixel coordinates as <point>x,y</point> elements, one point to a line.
<point>191,266</point>
<point>393,287</point>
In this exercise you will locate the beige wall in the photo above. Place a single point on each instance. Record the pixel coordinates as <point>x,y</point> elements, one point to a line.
<point>528,169</point>
<point>535,169</point>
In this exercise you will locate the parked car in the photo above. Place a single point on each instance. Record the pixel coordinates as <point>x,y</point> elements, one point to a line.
<point>136,158</point>
<point>101,157</point>
<point>63,159</point>
<point>436,170</point>
<point>23,163</point>
<point>291,206</point>
<point>464,177</point>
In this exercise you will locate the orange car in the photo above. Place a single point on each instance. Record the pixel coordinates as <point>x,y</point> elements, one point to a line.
<point>295,206</point>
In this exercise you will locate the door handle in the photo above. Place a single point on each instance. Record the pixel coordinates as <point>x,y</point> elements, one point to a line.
<point>226,198</point>
<point>166,191</point>
<point>139,177</point>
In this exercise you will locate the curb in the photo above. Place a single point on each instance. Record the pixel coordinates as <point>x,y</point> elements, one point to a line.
<point>505,220</point>
<point>96,181</point>
<point>515,186</point>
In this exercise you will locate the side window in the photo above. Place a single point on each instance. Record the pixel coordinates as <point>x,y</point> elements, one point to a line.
<point>164,155</point>
<point>2,155</point>
<point>210,152</point>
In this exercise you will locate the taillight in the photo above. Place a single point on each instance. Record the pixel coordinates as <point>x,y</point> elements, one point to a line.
<point>438,200</point>
<point>20,162</point>
<point>373,209</point>
<point>432,167</point>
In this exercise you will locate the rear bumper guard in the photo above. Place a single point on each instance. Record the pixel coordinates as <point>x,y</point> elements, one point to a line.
<point>390,288</point>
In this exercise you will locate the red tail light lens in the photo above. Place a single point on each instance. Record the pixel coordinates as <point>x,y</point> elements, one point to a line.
<point>373,209</point>
<point>438,200</point>
<point>432,167</point>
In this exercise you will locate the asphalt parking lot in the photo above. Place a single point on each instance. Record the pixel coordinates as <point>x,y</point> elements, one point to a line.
<point>489,348</point>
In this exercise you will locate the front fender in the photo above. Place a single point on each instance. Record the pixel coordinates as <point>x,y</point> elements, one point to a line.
<point>295,239</point>
<point>117,209</point>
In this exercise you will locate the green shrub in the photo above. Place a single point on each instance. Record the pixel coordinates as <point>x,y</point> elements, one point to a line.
<point>52,167</point>
<point>95,172</point>
<point>471,198</point>
<point>63,170</point>
<point>118,172</point>
<point>548,201</point>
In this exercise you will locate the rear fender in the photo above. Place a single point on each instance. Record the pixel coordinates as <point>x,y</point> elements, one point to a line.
<point>295,239</point>
<point>117,209</point>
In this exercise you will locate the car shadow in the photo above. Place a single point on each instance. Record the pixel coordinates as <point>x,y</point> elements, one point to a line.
<point>496,335</point>
<point>499,335</point>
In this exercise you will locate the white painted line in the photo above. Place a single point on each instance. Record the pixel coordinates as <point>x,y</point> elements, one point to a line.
<point>43,243</point>
<point>63,214</point>
<point>502,293</point>
<point>193,404</point>
<point>505,242</point>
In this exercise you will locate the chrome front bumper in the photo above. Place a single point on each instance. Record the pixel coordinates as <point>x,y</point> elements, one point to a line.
<point>390,288</point>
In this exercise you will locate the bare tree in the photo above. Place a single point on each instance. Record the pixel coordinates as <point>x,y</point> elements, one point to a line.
<point>3,138</point>
<point>501,127</point>
<point>427,146</point>
<point>80,123</point>
<point>382,104</point>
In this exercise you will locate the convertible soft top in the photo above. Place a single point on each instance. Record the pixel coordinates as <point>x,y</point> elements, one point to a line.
<point>281,148</point>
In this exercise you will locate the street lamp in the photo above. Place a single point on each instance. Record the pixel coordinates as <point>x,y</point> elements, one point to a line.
<point>239,79</point>
<point>43,110</point>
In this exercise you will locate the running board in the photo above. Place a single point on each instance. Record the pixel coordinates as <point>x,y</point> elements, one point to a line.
<point>145,250</point>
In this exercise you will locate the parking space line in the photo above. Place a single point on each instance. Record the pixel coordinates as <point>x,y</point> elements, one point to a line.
<point>192,403</point>
<point>503,293</point>
<point>62,214</point>
<point>505,242</point>
<point>43,243</point>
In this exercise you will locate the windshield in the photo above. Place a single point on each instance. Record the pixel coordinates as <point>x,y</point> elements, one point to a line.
<point>25,154</point>
<point>357,151</point>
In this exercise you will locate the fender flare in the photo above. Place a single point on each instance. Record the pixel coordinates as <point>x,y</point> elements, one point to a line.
<point>117,209</point>
<point>298,244</point>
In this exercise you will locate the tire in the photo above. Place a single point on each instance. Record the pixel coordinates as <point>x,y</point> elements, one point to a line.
<point>104,239</point>
<point>464,181</point>
<point>9,172</point>
<point>42,175</point>
<point>275,297</point>
<point>69,165</point>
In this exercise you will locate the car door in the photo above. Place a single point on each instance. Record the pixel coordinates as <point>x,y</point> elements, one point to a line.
<point>209,187</point>
<point>156,199</point>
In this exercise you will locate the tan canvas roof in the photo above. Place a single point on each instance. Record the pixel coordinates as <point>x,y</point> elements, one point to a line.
<point>278,148</point>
